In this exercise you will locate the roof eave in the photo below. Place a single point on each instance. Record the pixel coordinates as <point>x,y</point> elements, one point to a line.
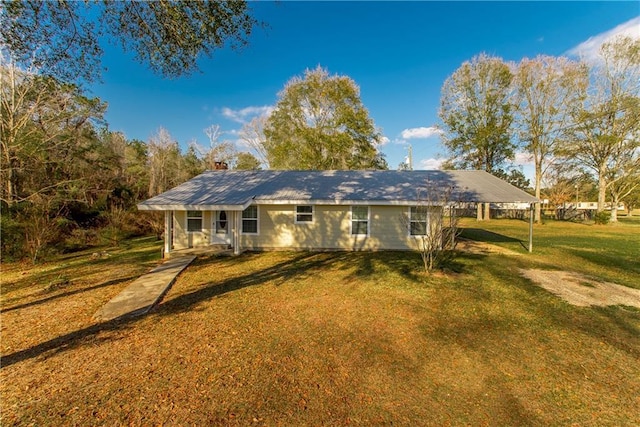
<point>194,207</point>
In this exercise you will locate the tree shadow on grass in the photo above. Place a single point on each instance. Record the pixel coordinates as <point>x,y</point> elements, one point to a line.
<point>616,325</point>
<point>367,264</point>
<point>605,259</point>
<point>66,294</point>
<point>627,318</point>
<point>301,266</point>
<point>71,264</point>
<point>85,336</point>
<point>480,235</point>
<point>406,264</point>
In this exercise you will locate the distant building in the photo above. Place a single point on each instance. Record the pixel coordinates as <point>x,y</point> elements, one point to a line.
<point>590,206</point>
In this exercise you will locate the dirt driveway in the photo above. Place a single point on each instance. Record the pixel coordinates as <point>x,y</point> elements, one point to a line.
<point>583,291</point>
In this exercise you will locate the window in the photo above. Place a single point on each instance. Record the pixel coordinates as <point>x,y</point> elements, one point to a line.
<point>194,221</point>
<point>250,220</point>
<point>221,222</point>
<point>304,213</point>
<point>360,220</point>
<point>418,220</point>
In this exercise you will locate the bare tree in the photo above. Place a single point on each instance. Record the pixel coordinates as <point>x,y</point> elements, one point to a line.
<point>433,226</point>
<point>39,224</point>
<point>217,151</point>
<point>623,180</point>
<point>252,133</point>
<point>548,90</point>
<point>606,128</point>
<point>165,169</point>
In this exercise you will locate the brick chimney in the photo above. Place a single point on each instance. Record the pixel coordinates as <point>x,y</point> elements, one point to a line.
<point>221,166</point>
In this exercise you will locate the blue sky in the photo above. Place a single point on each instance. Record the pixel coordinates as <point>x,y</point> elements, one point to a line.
<point>399,53</point>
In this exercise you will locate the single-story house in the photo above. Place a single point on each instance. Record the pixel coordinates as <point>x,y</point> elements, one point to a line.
<point>318,210</point>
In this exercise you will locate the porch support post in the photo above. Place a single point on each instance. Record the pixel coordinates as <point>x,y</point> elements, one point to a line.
<point>452,221</point>
<point>168,231</point>
<point>237,216</point>
<point>531,212</point>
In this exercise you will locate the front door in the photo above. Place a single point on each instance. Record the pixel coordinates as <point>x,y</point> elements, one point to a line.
<point>221,227</point>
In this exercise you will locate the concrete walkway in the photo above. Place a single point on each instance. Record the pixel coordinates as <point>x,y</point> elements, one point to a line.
<point>145,292</point>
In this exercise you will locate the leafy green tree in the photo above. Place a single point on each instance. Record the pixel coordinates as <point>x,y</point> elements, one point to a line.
<point>62,38</point>
<point>319,122</point>
<point>547,91</point>
<point>47,129</point>
<point>476,113</point>
<point>247,161</point>
<point>51,156</point>
<point>193,165</point>
<point>605,134</point>
<point>514,177</point>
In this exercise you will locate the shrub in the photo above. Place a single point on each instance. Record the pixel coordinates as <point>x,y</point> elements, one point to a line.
<point>12,237</point>
<point>80,239</point>
<point>602,217</point>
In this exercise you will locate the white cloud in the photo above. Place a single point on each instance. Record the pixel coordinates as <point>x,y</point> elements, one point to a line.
<point>420,133</point>
<point>245,114</point>
<point>384,141</point>
<point>400,141</point>
<point>589,50</point>
<point>523,159</point>
<point>242,144</point>
<point>430,164</point>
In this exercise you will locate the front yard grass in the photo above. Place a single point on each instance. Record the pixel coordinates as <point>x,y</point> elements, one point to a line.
<point>296,338</point>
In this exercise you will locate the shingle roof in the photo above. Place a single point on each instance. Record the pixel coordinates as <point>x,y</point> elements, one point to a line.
<point>238,189</point>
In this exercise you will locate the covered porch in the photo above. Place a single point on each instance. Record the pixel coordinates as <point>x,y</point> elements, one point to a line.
<point>198,231</point>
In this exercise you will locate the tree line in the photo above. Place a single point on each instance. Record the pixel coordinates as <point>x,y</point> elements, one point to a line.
<point>68,182</point>
<point>572,118</point>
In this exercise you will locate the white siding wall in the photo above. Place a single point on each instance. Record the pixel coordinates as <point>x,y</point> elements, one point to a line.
<point>184,239</point>
<point>331,229</point>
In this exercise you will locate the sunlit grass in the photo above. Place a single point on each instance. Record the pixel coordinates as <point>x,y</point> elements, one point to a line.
<point>611,252</point>
<point>297,338</point>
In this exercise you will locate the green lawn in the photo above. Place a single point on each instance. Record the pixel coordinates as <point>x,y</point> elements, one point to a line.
<point>611,252</point>
<point>295,338</point>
